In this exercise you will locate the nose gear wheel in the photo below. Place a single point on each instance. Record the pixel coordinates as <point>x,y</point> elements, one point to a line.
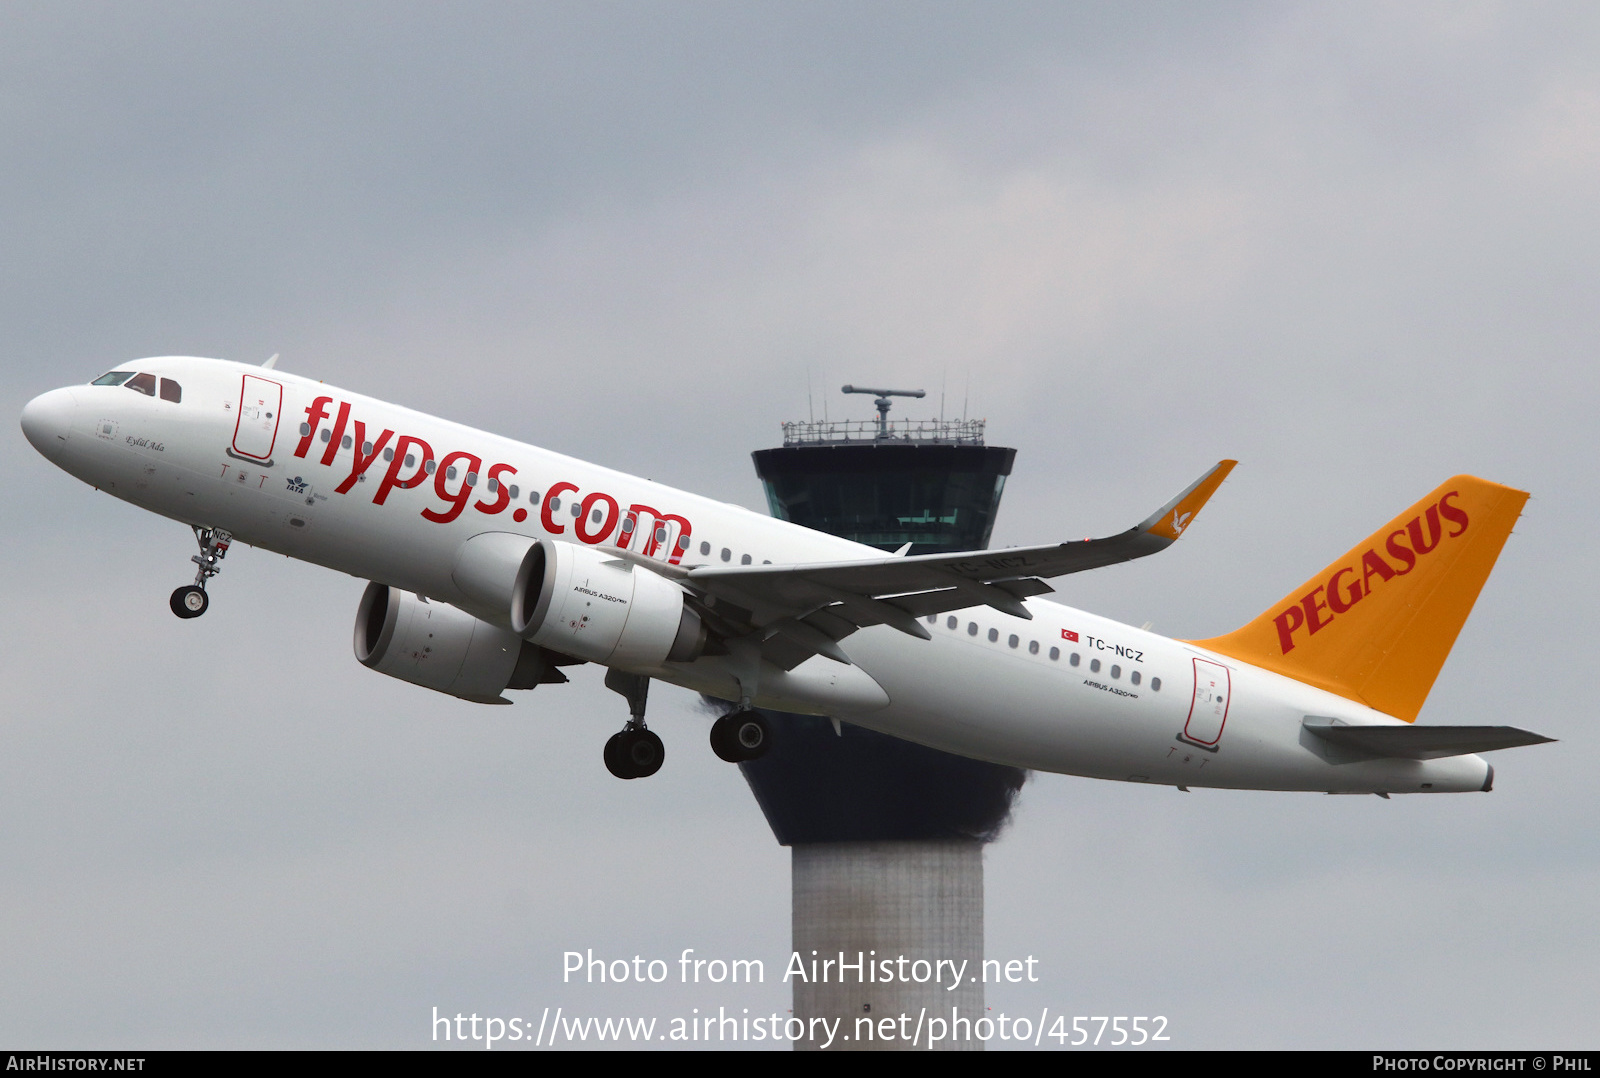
<point>191,600</point>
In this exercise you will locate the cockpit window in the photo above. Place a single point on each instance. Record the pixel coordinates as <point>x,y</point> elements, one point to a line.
<point>115,378</point>
<point>171,391</point>
<point>144,383</point>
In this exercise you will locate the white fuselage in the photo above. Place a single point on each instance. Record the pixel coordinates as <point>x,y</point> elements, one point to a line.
<point>1065,691</point>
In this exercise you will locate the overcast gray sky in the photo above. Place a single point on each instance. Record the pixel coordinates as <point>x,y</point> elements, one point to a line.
<point>1352,245</point>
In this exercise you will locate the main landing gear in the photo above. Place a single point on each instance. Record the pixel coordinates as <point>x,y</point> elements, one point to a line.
<point>740,735</point>
<point>634,752</point>
<point>191,600</point>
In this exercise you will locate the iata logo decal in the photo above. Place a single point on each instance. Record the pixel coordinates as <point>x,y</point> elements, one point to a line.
<point>454,480</point>
<point>1349,584</point>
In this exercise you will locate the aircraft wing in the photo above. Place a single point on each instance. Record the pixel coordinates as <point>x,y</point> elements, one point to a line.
<point>801,610</point>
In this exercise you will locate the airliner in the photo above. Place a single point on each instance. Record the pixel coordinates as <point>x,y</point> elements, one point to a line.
<point>495,565</point>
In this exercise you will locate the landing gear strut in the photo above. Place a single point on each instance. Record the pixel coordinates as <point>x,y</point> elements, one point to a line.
<point>740,735</point>
<point>191,600</point>
<point>634,752</point>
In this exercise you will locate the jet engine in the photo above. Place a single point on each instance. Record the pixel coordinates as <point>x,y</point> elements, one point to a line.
<point>439,647</point>
<point>583,602</point>
<point>577,600</point>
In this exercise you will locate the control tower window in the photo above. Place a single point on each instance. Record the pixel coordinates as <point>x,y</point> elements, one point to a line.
<point>114,378</point>
<point>144,383</point>
<point>171,391</point>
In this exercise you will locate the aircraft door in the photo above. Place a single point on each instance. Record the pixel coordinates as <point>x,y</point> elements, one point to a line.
<point>1208,712</point>
<point>255,433</point>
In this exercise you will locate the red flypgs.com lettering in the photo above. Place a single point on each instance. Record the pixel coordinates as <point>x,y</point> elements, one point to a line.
<point>411,463</point>
<point>1349,584</point>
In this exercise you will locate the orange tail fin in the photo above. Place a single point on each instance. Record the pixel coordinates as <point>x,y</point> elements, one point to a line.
<point>1376,625</point>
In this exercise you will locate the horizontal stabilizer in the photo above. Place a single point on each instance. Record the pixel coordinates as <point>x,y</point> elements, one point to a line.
<point>1421,742</point>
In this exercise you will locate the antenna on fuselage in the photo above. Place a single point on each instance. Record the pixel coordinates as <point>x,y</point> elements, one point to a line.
<point>271,363</point>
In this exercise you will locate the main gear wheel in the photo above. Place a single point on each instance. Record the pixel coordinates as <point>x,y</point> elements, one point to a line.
<point>740,736</point>
<point>634,754</point>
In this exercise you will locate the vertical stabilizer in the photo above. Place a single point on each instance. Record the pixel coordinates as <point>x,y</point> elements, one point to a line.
<point>1376,625</point>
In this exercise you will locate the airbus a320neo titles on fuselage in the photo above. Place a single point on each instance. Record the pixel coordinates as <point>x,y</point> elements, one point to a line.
<point>495,564</point>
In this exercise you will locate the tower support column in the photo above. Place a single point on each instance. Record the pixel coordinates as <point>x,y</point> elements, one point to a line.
<point>903,921</point>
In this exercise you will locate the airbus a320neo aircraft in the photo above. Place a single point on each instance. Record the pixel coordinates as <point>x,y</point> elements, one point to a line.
<point>494,564</point>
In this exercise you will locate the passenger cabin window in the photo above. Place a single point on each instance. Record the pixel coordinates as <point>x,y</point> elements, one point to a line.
<point>171,391</point>
<point>114,378</point>
<point>144,383</point>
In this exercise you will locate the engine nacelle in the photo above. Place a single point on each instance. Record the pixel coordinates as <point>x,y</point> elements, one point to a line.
<point>439,647</point>
<point>583,602</point>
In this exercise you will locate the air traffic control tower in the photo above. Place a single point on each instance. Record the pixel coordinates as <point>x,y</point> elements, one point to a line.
<point>886,836</point>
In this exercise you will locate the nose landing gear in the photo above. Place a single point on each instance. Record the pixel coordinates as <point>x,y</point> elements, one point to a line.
<point>191,600</point>
<point>634,752</point>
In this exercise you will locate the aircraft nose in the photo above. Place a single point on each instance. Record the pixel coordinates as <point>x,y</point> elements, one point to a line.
<point>47,421</point>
